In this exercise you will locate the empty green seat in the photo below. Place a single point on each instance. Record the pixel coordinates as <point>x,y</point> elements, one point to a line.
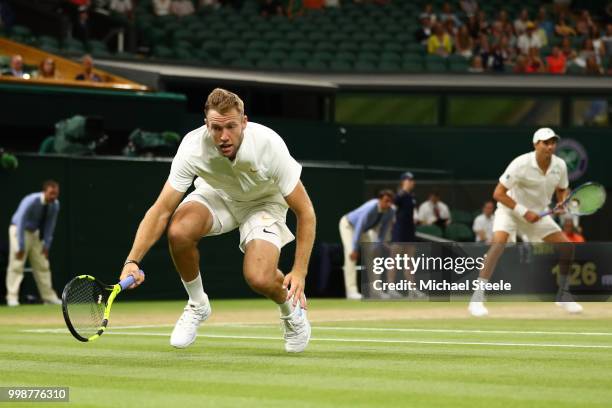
<point>458,232</point>
<point>462,217</point>
<point>430,230</point>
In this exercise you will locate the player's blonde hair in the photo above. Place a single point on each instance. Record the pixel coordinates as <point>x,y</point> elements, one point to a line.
<point>223,101</point>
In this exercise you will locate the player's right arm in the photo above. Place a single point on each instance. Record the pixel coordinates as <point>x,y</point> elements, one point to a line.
<point>501,196</point>
<point>150,229</point>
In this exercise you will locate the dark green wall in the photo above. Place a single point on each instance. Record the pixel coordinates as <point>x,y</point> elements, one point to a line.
<point>35,106</point>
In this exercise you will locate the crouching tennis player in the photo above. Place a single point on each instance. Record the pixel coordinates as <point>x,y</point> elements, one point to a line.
<point>246,179</point>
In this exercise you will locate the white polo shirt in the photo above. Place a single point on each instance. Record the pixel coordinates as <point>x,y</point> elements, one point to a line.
<point>263,169</point>
<point>529,186</point>
<point>483,223</point>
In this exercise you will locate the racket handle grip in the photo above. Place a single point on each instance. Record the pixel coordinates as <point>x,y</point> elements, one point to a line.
<point>127,282</point>
<point>545,213</point>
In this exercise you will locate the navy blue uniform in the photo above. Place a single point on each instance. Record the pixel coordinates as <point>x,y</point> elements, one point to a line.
<point>403,229</point>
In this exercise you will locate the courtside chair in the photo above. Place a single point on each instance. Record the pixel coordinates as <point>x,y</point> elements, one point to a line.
<point>430,230</point>
<point>458,232</point>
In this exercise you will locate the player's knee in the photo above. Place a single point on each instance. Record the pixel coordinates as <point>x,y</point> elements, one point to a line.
<point>258,281</point>
<point>179,236</point>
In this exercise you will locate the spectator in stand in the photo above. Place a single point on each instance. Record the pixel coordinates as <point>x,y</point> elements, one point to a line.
<point>545,23</point>
<point>520,65</point>
<point>473,26</point>
<point>464,42</point>
<point>161,7</point>
<point>584,23</point>
<point>122,8</point>
<point>529,39</point>
<point>447,14</point>
<point>587,51</point>
<point>469,7</point>
<point>271,8</point>
<point>541,32</point>
<point>450,28</point>
<point>483,224</point>
<point>483,49</point>
<point>182,8</point>
<point>428,9</point>
<point>556,61</point>
<point>434,211</point>
<point>534,62</point>
<point>598,44</point>
<point>567,50</point>
<point>423,33</point>
<point>562,29</point>
<point>509,32</point>
<point>569,230</point>
<point>498,58</point>
<point>502,17</point>
<point>46,69</point>
<point>496,32</point>
<point>606,40</point>
<point>483,23</point>
<point>476,65</point>
<point>508,50</point>
<point>440,42</point>
<point>520,24</point>
<point>592,67</point>
<point>16,68</point>
<point>88,73</point>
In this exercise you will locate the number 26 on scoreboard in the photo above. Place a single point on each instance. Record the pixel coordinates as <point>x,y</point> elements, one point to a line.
<point>585,274</point>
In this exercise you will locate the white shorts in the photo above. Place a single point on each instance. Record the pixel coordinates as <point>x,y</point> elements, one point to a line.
<point>256,220</point>
<point>507,221</point>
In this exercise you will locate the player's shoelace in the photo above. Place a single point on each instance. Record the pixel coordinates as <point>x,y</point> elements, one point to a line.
<point>192,316</point>
<point>293,325</point>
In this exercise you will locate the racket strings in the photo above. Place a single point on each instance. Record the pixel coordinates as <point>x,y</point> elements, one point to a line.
<point>588,199</point>
<point>86,301</point>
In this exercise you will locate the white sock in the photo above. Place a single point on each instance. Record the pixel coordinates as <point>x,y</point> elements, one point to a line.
<point>195,290</point>
<point>479,295</point>
<point>286,308</point>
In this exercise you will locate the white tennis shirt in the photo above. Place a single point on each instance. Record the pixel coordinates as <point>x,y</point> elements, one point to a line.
<point>527,183</point>
<point>263,169</point>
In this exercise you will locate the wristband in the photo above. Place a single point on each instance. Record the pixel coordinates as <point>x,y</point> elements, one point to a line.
<point>129,261</point>
<point>520,209</point>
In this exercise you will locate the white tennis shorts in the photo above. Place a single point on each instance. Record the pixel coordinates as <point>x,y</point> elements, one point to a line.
<point>256,220</point>
<point>507,221</point>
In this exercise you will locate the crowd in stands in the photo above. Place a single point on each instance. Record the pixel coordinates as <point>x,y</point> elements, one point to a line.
<point>539,43</point>
<point>552,39</point>
<point>47,70</point>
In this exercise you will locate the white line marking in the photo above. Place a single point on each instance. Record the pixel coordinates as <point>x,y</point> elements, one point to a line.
<point>439,342</point>
<point>339,328</point>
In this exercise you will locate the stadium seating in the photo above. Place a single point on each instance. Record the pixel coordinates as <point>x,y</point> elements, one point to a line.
<point>380,37</point>
<point>430,230</point>
<point>458,232</point>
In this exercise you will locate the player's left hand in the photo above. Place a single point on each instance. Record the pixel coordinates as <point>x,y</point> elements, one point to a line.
<point>296,282</point>
<point>45,252</point>
<point>559,209</point>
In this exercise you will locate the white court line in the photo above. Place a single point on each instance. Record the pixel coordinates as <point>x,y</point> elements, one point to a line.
<point>338,328</point>
<point>416,330</point>
<point>439,342</point>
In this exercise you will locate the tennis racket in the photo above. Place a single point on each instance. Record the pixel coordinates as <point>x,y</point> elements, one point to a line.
<point>86,304</point>
<point>584,200</point>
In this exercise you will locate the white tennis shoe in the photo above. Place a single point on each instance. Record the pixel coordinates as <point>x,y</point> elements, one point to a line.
<point>297,330</point>
<point>186,328</point>
<point>570,307</point>
<point>478,309</point>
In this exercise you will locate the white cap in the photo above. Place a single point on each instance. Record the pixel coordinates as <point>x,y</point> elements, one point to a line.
<point>544,134</point>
